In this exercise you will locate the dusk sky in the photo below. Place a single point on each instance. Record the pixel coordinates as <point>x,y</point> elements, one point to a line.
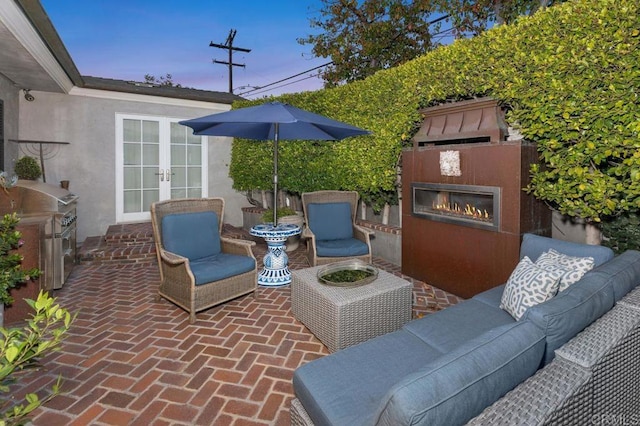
<point>126,39</point>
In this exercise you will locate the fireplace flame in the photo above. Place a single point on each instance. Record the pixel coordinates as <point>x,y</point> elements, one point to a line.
<point>468,210</point>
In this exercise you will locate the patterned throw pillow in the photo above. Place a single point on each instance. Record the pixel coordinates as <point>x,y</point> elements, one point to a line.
<point>576,266</point>
<point>528,286</point>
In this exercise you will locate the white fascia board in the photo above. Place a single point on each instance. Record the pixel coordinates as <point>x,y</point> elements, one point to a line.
<point>13,18</point>
<point>135,97</point>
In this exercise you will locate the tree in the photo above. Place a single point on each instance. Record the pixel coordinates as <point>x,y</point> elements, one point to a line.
<point>471,17</point>
<point>364,37</point>
<point>165,81</point>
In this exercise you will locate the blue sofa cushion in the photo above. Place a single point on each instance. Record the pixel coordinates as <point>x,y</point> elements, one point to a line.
<point>458,385</point>
<point>448,329</point>
<point>346,387</point>
<point>220,266</point>
<point>564,316</point>
<point>330,221</point>
<point>192,235</point>
<point>341,248</point>
<point>534,245</point>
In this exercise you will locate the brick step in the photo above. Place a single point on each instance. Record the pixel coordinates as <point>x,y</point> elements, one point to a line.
<point>122,244</point>
<point>131,243</point>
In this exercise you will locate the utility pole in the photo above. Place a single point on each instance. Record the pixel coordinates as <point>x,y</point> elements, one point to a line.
<point>229,46</point>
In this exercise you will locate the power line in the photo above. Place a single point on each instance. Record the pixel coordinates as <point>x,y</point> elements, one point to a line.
<point>285,79</point>
<point>286,84</point>
<point>251,92</point>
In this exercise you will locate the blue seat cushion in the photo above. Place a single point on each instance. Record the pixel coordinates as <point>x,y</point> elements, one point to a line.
<point>330,221</point>
<point>534,245</point>
<point>469,319</point>
<point>192,235</point>
<point>457,386</point>
<point>220,266</point>
<point>341,248</point>
<point>346,387</point>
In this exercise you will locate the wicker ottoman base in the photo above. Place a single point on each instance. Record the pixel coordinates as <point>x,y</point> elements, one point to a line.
<point>342,317</point>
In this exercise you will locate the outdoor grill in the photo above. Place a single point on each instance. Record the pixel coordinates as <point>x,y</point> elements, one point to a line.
<point>60,245</point>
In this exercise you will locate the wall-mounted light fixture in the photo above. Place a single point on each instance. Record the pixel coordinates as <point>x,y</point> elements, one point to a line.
<point>28,96</point>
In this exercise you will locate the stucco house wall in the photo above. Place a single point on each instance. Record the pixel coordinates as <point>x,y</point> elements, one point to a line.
<point>9,95</point>
<point>86,119</point>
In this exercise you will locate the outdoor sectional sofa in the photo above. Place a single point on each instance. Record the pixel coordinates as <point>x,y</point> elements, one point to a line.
<point>446,368</point>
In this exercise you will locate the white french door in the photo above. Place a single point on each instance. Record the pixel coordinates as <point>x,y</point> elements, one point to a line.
<point>157,159</point>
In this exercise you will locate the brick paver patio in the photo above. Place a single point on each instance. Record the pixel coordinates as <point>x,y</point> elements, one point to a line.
<point>131,359</point>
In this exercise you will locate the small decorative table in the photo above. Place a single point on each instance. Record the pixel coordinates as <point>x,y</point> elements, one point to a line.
<point>344,316</point>
<point>276,270</point>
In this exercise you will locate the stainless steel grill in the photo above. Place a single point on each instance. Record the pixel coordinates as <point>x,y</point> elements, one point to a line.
<point>45,199</point>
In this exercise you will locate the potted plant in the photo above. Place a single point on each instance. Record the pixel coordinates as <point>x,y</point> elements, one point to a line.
<point>28,168</point>
<point>11,272</point>
<point>286,215</point>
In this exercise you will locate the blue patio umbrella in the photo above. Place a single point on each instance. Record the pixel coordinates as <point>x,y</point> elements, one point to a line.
<point>273,121</point>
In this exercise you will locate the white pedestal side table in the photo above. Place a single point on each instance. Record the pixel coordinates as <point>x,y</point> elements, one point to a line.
<point>276,269</point>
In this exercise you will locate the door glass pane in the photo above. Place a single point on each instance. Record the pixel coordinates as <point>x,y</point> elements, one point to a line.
<point>132,154</point>
<point>178,156</point>
<point>178,177</point>
<point>194,192</point>
<point>132,201</point>
<point>194,153</point>
<point>151,154</point>
<point>151,131</point>
<point>150,179</point>
<point>194,177</point>
<point>149,197</point>
<point>178,133</point>
<point>131,130</point>
<point>132,178</point>
<point>178,193</point>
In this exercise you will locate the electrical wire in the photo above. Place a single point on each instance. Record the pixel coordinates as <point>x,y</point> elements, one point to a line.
<point>260,88</point>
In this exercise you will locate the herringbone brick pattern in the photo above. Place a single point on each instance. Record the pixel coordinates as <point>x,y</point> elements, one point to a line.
<point>131,359</point>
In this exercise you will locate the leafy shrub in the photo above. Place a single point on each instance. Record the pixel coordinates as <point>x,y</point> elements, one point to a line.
<point>568,75</point>
<point>20,350</point>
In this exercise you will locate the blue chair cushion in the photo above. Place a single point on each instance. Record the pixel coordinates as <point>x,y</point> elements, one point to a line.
<point>457,386</point>
<point>220,266</point>
<point>341,248</point>
<point>623,272</point>
<point>330,221</point>
<point>192,235</point>
<point>534,245</point>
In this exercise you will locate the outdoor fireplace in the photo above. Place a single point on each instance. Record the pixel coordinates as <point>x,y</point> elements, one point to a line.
<point>465,205</point>
<point>464,209</point>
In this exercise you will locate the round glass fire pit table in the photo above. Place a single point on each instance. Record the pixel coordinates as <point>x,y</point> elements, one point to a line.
<point>276,270</point>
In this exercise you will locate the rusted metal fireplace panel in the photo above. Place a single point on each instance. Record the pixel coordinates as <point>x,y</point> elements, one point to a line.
<point>454,256</point>
<point>476,119</point>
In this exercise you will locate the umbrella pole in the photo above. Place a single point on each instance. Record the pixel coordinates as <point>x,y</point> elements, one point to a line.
<point>275,174</point>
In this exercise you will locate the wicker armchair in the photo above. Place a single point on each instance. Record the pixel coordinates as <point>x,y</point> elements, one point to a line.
<point>330,231</point>
<point>198,267</point>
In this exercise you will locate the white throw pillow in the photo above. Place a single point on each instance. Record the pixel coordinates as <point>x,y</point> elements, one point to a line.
<point>528,286</point>
<point>576,266</point>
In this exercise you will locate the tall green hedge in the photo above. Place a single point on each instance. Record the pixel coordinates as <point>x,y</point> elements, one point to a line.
<point>569,77</point>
